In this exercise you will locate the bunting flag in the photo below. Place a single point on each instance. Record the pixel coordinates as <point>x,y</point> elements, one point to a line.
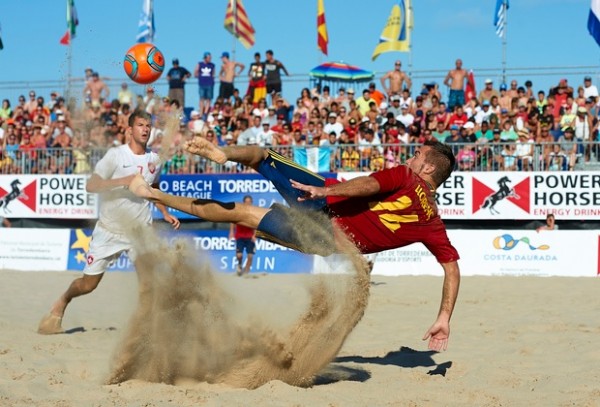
<point>470,91</point>
<point>500,17</point>
<point>322,38</point>
<point>594,21</point>
<point>396,33</point>
<point>146,23</point>
<point>1,44</point>
<point>238,24</point>
<point>72,23</point>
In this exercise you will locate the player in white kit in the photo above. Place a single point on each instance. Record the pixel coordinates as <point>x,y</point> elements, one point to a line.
<point>120,210</point>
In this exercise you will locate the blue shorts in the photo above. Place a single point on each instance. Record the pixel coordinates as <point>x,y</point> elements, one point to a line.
<point>280,170</point>
<point>305,226</point>
<point>245,244</point>
<point>456,98</point>
<point>207,92</point>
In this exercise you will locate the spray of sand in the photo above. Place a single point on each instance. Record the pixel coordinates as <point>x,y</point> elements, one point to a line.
<point>188,326</point>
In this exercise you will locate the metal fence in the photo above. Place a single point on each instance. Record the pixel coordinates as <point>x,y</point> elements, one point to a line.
<point>503,156</point>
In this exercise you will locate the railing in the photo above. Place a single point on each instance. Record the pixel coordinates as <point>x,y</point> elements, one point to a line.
<point>345,157</point>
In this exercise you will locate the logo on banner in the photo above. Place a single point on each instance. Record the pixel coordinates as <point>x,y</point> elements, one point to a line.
<point>80,246</point>
<point>26,195</point>
<point>508,242</point>
<point>486,197</point>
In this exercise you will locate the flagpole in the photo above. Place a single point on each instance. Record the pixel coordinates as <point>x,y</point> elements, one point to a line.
<point>504,41</point>
<point>69,72</point>
<point>234,9</point>
<point>410,47</point>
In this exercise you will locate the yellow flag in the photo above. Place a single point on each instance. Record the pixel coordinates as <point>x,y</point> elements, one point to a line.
<point>396,33</point>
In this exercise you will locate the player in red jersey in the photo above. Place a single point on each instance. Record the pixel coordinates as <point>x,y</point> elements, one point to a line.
<point>389,209</point>
<point>245,239</point>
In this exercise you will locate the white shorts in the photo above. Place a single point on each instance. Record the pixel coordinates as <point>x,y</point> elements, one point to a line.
<point>105,249</point>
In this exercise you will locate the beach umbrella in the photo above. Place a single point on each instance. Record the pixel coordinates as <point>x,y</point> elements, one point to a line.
<point>338,74</point>
<point>340,71</point>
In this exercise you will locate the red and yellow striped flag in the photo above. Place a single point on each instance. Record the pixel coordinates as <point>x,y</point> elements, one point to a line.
<point>322,38</point>
<point>238,24</point>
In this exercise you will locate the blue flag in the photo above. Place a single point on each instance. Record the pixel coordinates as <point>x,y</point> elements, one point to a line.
<point>594,21</point>
<point>146,24</point>
<point>500,17</point>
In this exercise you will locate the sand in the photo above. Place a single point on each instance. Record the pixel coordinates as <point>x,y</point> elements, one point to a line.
<point>515,341</point>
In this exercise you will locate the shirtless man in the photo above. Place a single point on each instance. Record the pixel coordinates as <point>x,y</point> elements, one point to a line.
<point>227,74</point>
<point>397,79</point>
<point>456,80</point>
<point>94,88</point>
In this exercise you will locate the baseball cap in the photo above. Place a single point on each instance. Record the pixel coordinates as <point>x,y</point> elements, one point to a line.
<point>229,136</point>
<point>352,120</point>
<point>587,78</point>
<point>225,54</point>
<point>581,109</point>
<point>454,127</point>
<point>404,106</point>
<point>469,125</point>
<point>332,114</point>
<point>206,54</point>
<point>497,131</point>
<point>351,91</point>
<point>503,86</point>
<point>175,60</point>
<point>486,103</point>
<point>280,117</point>
<point>488,80</point>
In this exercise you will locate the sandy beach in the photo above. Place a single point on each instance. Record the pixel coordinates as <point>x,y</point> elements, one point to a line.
<point>516,341</point>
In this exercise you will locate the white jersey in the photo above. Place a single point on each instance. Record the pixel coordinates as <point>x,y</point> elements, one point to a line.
<point>119,208</point>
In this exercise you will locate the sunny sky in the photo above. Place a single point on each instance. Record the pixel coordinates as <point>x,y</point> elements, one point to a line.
<point>540,34</point>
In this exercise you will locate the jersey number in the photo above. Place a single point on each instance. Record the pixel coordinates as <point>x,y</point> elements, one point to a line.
<point>390,220</point>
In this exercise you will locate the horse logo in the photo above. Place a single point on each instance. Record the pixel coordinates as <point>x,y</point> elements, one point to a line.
<point>12,195</point>
<point>503,192</point>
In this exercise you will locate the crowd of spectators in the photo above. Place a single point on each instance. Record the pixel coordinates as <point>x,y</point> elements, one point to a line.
<point>509,127</point>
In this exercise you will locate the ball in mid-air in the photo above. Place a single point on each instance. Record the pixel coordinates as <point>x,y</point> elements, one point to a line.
<point>144,63</point>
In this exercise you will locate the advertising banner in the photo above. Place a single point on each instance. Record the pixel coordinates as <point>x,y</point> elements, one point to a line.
<point>46,196</point>
<point>220,187</point>
<point>33,249</point>
<point>213,244</point>
<point>503,252</point>
<point>518,195</point>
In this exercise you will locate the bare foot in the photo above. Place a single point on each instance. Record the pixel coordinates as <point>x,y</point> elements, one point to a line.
<point>139,187</point>
<point>50,324</point>
<point>204,148</point>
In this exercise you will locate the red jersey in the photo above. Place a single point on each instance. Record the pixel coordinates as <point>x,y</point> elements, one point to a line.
<point>403,212</point>
<point>243,232</point>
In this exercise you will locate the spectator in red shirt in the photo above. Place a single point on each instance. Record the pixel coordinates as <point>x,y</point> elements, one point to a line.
<point>390,208</point>
<point>459,118</point>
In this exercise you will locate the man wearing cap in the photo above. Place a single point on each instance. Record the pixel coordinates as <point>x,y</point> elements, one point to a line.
<point>589,90</point>
<point>583,125</point>
<point>405,117</point>
<point>397,79</point>
<point>205,72</point>
<point>227,75</point>
<point>177,76</point>
<point>333,125</point>
<point>487,92</point>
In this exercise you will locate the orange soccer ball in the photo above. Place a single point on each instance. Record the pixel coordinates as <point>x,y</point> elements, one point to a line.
<point>144,63</point>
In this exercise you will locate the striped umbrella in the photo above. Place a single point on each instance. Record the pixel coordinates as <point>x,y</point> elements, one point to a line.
<point>340,71</point>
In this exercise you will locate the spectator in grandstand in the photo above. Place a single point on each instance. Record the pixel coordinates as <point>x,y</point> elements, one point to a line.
<point>5,110</point>
<point>394,81</point>
<point>524,150</point>
<point>405,117</point>
<point>273,68</point>
<point>96,89</point>
<point>456,80</point>
<point>589,89</point>
<point>205,72</point>
<point>440,133</point>
<point>458,118</point>
<point>487,92</point>
<point>118,212</point>
<point>32,103</point>
<point>583,124</point>
<point>569,147</point>
<point>362,102</point>
<point>125,95</point>
<point>466,158</point>
<point>549,225</point>
<point>508,131</point>
<point>484,131</point>
<point>467,133</point>
<point>229,70</point>
<point>509,157</point>
<point>177,77</point>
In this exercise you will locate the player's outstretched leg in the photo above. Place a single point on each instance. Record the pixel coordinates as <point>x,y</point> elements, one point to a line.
<point>250,156</point>
<point>210,210</point>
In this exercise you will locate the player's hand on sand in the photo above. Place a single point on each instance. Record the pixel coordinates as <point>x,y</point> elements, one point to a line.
<point>310,191</point>
<point>438,336</point>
